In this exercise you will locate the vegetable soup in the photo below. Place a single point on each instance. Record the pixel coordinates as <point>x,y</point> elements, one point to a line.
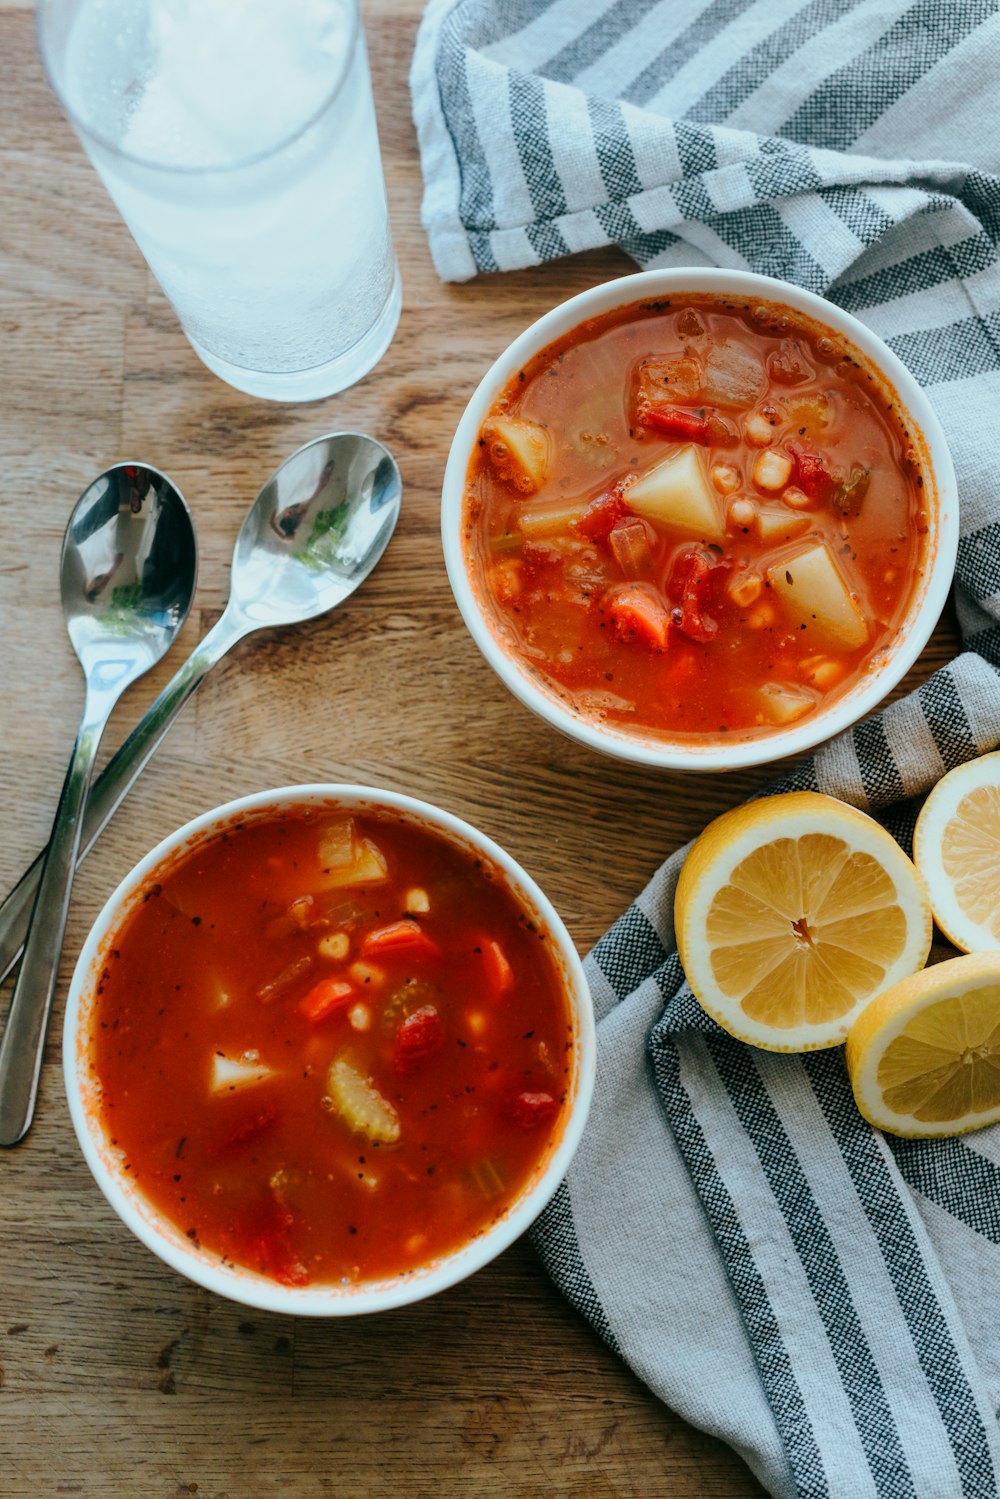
<point>331,1047</point>
<point>695,517</point>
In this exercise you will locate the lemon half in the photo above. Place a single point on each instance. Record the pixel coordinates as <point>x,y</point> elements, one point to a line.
<point>924,1057</point>
<point>956,846</point>
<point>792,913</point>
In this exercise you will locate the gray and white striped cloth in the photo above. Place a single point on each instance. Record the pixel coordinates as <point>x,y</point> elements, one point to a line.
<point>821,1297</point>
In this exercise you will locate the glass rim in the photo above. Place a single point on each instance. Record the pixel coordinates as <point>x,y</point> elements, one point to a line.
<point>44,8</point>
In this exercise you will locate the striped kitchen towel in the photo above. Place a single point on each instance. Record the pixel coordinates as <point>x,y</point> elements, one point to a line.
<point>821,1297</point>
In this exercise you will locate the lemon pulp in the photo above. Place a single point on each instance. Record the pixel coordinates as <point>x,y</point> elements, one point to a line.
<point>805,928</point>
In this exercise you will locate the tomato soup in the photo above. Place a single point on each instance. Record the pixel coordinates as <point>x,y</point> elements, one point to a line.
<point>696,517</point>
<point>330,1047</point>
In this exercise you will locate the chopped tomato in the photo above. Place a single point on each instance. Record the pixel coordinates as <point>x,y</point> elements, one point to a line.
<point>691,585</point>
<point>533,1109</point>
<point>418,1036</point>
<point>498,972</point>
<point>639,613</point>
<point>325,997</point>
<point>404,938</point>
<point>602,516</point>
<point>674,421</point>
<point>271,1249</point>
<point>249,1130</point>
<point>811,474</point>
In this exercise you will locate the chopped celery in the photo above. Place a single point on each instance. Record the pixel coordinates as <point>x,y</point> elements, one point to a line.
<point>487,1177</point>
<point>361,1105</point>
<point>336,844</point>
<point>285,979</point>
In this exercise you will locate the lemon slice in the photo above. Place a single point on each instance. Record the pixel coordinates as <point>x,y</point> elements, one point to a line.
<point>956,845</point>
<point>792,913</point>
<point>924,1057</point>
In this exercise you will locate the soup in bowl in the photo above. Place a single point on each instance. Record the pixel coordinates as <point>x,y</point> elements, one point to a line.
<point>699,518</point>
<point>328,1050</point>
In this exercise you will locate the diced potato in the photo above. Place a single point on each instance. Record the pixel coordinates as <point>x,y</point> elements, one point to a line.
<point>230,1073</point>
<point>774,526</point>
<point>550,518</point>
<point>361,1105</point>
<point>518,450</point>
<point>417,901</point>
<point>368,867</point>
<point>814,593</point>
<point>783,703</point>
<point>677,493</point>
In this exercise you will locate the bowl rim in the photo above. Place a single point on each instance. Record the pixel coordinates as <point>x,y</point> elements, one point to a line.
<point>238,1283</point>
<point>926,604</point>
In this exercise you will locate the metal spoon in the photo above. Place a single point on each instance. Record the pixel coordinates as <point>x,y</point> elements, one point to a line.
<point>315,531</point>
<point>127,577</point>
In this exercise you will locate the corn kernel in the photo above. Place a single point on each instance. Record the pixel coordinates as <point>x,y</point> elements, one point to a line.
<point>823,672</point>
<point>795,498</point>
<point>742,513</point>
<point>762,616</point>
<point>367,973</point>
<point>758,430</point>
<point>772,469</point>
<point>725,477</point>
<point>335,946</point>
<point>745,589</point>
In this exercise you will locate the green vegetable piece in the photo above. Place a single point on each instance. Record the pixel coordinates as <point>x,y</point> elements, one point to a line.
<point>361,1106</point>
<point>848,495</point>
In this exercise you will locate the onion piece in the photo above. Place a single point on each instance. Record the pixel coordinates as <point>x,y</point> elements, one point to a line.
<point>631,541</point>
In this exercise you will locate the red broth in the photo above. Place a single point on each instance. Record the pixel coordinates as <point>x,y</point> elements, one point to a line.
<point>695,517</point>
<point>330,1048</point>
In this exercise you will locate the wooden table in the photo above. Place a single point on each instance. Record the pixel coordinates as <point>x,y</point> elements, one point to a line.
<point>116,1376</point>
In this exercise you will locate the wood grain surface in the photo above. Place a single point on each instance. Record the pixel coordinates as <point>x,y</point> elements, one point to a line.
<point>117,1377</point>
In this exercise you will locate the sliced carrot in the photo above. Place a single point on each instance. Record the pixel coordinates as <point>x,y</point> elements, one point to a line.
<point>499,974</point>
<point>401,939</point>
<point>325,997</point>
<point>639,613</point>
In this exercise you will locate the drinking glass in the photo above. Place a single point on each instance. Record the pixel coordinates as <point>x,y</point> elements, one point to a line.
<point>237,139</point>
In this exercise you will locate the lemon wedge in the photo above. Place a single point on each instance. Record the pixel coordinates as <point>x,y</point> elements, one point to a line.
<point>792,913</point>
<point>956,846</point>
<point>924,1057</point>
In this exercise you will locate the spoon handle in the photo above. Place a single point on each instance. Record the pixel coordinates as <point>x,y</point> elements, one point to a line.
<point>24,1035</point>
<point>117,777</point>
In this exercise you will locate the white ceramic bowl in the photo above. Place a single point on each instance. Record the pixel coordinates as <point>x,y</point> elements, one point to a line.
<point>928,599</point>
<point>246,1286</point>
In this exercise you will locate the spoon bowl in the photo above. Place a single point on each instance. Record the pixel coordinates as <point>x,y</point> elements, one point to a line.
<point>127,577</point>
<point>313,534</point>
<point>127,573</point>
<point>317,527</point>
